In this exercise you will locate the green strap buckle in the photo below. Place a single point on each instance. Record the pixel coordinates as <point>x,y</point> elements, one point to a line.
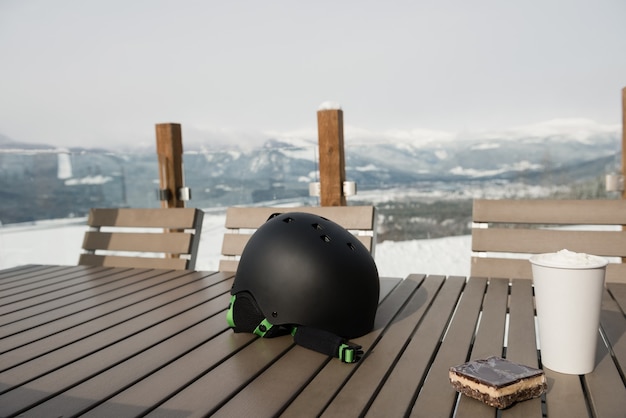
<point>229,314</point>
<point>263,328</point>
<point>348,353</point>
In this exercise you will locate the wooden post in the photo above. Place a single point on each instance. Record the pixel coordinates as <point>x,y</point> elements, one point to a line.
<point>624,151</point>
<point>170,152</point>
<point>624,138</point>
<point>332,161</point>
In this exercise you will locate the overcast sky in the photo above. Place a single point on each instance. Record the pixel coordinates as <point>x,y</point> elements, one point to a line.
<point>104,72</point>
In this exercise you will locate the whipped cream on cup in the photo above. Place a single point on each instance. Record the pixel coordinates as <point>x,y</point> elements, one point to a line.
<point>568,259</point>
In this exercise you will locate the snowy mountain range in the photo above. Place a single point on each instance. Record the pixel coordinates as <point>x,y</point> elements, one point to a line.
<point>572,148</point>
<point>400,156</point>
<point>36,178</point>
<point>387,163</point>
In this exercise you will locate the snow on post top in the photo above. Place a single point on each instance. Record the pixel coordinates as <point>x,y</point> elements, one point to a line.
<point>329,106</point>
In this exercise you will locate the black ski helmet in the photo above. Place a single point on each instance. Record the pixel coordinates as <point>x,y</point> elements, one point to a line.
<point>300,269</point>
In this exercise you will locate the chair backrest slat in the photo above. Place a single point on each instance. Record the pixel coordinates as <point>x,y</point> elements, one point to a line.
<point>506,232</point>
<point>173,243</point>
<point>150,238</point>
<point>552,211</point>
<point>350,217</point>
<point>242,222</point>
<point>134,262</point>
<point>234,244</point>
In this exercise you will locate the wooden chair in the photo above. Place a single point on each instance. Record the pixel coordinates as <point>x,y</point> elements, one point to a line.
<point>241,222</point>
<point>506,232</point>
<point>147,238</point>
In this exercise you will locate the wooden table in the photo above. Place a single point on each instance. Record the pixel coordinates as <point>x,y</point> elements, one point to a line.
<point>133,342</point>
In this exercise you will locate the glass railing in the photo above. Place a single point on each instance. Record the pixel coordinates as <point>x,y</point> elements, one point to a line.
<point>45,195</point>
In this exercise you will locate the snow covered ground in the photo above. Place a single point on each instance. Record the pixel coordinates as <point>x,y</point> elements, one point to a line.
<point>59,242</point>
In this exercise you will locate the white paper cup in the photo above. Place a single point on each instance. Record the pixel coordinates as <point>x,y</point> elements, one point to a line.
<point>568,297</point>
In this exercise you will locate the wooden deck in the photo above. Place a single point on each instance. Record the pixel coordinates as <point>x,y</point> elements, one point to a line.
<point>97,341</point>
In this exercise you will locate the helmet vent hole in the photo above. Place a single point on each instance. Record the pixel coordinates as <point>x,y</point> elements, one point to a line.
<point>325,238</point>
<point>351,246</point>
<point>288,220</point>
<point>317,226</point>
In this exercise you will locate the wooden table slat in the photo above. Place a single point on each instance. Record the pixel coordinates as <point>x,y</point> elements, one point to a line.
<point>8,273</point>
<point>613,325</point>
<point>49,309</point>
<point>275,386</point>
<point>225,380</point>
<point>618,292</point>
<point>521,344</point>
<point>437,397</point>
<point>87,338</point>
<point>67,316</point>
<point>396,394</point>
<point>77,287</point>
<point>102,342</point>
<point>54,378</point>
<point>121,365</point>
<point>32,273</point>
<point>605,387</point>
<point>366,380</point>
<point>325,384</point>
<point>565,396</point>
<point>489,342</point>
<point>160,386</point>
<point>33,284</point>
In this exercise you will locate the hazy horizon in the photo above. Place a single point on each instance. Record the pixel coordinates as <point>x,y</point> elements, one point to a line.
<point>578,129</point>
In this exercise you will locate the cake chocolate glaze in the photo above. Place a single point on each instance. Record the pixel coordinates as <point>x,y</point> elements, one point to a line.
<point>498,382</point>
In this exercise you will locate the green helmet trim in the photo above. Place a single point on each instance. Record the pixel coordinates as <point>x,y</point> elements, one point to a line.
<point>229,314</point>
<point>348,353</point>
<point>316,339</point>
<point>263,328</point>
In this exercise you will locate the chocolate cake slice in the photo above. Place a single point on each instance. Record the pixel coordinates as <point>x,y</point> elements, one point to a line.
<point>498,382</point>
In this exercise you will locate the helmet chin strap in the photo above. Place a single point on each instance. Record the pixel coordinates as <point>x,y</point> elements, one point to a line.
<point>327,343</point>
<point>248,318</point>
